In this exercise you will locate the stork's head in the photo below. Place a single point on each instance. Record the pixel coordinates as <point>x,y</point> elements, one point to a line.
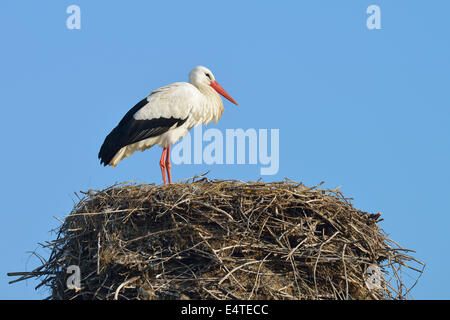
<point>202,76</point>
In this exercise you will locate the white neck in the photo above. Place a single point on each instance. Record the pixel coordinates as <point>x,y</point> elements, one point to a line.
<point>212,106</point>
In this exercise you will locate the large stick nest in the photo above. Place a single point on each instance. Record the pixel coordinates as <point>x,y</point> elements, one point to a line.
<point>224,240</point>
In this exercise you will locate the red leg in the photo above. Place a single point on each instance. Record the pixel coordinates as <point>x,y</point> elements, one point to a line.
<point>162,164</point>
<point>168,165</point>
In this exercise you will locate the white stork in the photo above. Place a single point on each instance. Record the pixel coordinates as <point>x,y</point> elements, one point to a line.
<point>164,117</point>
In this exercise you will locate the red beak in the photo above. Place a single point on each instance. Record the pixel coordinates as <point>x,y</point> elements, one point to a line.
<point>222,91</point>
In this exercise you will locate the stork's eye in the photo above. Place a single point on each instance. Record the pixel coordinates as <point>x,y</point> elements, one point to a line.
<point>207,74</point>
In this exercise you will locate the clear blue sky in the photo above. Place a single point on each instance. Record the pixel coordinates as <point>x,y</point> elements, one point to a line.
<point>367,110</point>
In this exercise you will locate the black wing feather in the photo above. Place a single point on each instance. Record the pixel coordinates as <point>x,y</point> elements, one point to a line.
<point>130,130</point>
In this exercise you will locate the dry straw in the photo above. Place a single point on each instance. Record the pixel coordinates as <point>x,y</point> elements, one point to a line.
<point>224,240</point>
